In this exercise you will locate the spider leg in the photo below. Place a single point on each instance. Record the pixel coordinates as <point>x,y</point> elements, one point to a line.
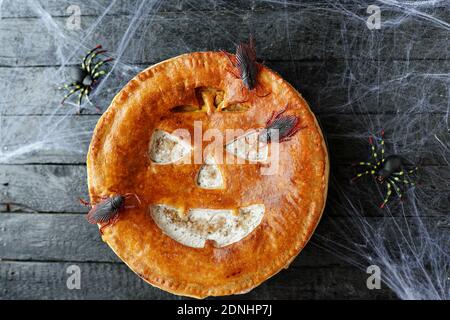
<point>397,179</point>
<point>80,96</point>
<point>91,59</point>
<point>98,74</point>
<point>397,189</point>
<point>359,175</point>
<point>388,194</point>
<point>99,64</point>
<point>366,164</point>
<point>373,150</point>
<point>382,145</point>
<point>71,92</point>
<point>68,86</point>
<point>402,173</point>
<point>83,92</point>
<point>83,64</point>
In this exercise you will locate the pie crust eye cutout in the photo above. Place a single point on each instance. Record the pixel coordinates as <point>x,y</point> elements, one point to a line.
<point>166,148</point>
<point>210,99</point>
<point>221,226</point>
<point>249,147</point>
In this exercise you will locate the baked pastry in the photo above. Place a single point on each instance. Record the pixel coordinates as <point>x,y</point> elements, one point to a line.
<point>207,227</point>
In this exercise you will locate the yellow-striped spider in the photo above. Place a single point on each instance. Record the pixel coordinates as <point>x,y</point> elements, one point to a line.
<point>87,76</point>
<point>389,170</point>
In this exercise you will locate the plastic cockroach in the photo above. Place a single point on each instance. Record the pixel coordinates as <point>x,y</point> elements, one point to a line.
<point>107,211</point>
<point>286,126</point>
<point>246,65</point>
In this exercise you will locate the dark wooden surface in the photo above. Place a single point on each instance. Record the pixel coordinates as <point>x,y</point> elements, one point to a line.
<point>42,226</point>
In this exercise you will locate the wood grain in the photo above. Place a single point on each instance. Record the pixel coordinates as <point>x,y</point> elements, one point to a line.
<point>70,238</point>
<point>57,188</point>
<point>47,280</point>
<point>21,9</point>
<point>44,231</point>
<point>65,139</point>
<point>322,83</point>
<point>48,188</point>
<point>307,37</point>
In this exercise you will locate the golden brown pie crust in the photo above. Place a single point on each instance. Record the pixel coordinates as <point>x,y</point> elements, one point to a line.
<point>118,163</point>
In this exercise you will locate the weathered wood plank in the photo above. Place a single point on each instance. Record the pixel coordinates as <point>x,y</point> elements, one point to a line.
<point>41,139</point>
<point>34,280</point>
<point>362,86</point>
<point>57,188</point>
<point>36,91</point>
<point>69,237</point>
<point>307,34</point>
<point>430,196</point>
<point>53,188</point>
<point>51,237</point>
<point>421,139</point>
<point>21,280</point>
<point>58,8</point>
<point>65,139</point>
<point>25,9</point>
<point>325,85</point>
<point>305,29</point>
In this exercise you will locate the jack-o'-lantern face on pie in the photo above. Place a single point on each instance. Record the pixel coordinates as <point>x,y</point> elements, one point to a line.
<point>206,227</point>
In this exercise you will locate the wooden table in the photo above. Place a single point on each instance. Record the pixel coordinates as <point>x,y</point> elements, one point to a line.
<point>351,76</point>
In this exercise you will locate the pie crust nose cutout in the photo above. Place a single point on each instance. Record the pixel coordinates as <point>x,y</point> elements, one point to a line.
<point>221,226</point>
<point>209,175</point>
<point>166,148</point>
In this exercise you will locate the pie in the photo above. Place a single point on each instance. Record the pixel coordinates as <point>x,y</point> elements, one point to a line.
<point>206,226</point>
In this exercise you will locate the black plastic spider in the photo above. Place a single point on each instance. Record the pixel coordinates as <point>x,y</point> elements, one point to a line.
<point>387,170</point>
<point>87,75</point>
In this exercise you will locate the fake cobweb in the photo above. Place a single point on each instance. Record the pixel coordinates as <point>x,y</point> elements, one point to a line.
<point>357,80</point>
